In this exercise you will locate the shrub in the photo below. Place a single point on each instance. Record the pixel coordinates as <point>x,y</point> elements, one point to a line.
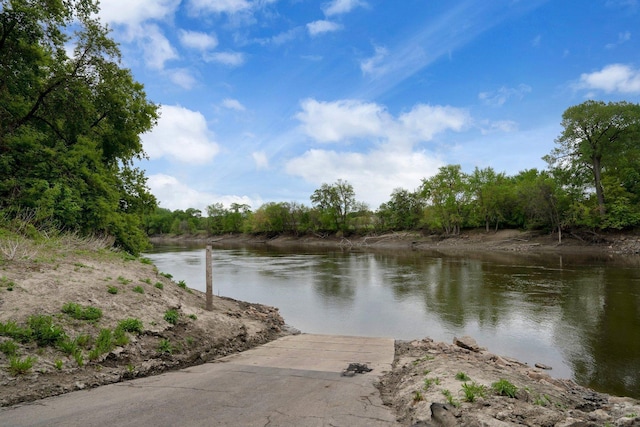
<point>159,285</point>
<point>19,366</point>
<point>9,348</point>
<point>139,289</point>
<point>182,284</point>
<point>165,346</point>
<point>167,275</point>
<point>82,313</point>
<point>112,290</point>
<point>171,316</point>
<point>473,391</point>
<point>504,388</point>
<point>44,330</point>
<point>131,325</point>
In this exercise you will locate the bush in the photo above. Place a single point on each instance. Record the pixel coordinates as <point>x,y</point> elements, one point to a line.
<point>159,285</point>
<point>131,325</point>
<point>82,313</point>
<point>19,366</point>
<point>45,332</point>
<point>171,316</point>
<point>504,388</point>
<point>9,348</point>
<point>473,390</point>
<point>112,290</point>
<point>138,289</point>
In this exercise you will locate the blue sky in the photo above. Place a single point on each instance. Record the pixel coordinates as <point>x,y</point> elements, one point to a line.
<point>265,100</point>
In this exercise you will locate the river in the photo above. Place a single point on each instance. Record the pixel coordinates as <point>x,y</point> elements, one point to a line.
<point>579,314</point>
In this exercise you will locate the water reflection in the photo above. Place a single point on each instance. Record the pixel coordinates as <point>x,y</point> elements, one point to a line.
<point>579,314</point>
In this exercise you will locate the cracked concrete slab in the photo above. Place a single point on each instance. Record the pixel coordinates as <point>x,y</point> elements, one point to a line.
<point>293,381</point>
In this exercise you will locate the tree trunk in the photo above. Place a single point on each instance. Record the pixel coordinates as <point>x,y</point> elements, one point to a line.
<point>597,176</point>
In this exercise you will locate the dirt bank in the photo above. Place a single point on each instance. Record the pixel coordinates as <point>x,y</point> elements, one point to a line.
<point>174,328</point>
<point>627,243</point>
<point>437,384</point>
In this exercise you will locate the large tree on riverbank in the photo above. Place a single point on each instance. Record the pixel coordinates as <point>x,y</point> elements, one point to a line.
<point>597,143</point>
<point>70,122</point>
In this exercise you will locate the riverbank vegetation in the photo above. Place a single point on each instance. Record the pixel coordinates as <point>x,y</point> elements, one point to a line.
<point>592,183</point>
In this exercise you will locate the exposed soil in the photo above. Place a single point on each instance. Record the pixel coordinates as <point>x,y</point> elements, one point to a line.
<point>43,279</point>
<point>423,371</point>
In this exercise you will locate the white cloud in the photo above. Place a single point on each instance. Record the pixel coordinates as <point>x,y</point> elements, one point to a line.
<point>219,6</point>
<point>374,65</point>
<point>231,59</point>
<point>173,194</point>
<point>614,78</point>
<point>133,13</point>
<point>341,120</point>
<point>233,104</point>
<point>182,77</point>
<point>374,175</point>
<point>157,49</point>
<point>319,27</point>
<point>261,160</point>
<point>180,134</point>
<point>505,126</point>
<point>338,7</point>
<point>501,96</point>
<point>622,38</point>
<point>536,41</point>
<point>198,40</point>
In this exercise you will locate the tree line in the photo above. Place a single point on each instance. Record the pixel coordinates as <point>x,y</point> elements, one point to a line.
<point>592,182</point>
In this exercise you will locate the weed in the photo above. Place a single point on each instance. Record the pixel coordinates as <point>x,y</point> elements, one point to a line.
<point>504,388</point>
<point>79,358</point>
<point>171,316</point>
<point>131,368</point>
<point>82,313</point>
<point>450,400</point>
<point>147,261</point>
<point>112,290</point>
<point>130,325</point>
<point>428,382</point>
<point>9,348</point>
<point>139,289</point>
<point>190,341</point>
<point>193,317</point>
<point>462,376</point>
<point>167,275</point>
<point>68,346</point>
<point>147,281</point>
<point>84,340</point>
<point>159,285</point>
<point>165,346</point>
<point>9,284</point>
<point>58,364</point>
<point>44,330</point>
<point>123,280</point>
<point>417,396</point>
<point>120,337</point>
<point>19,366</point>
<point>104,344</point>
<point>182,284</point>
<point>473,391</point>
<point>632,415</point>
<point>12,330</point>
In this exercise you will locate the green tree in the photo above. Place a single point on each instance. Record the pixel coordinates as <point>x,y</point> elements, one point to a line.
<point>335,202</point>
<point>490,192</point>
<point>403,211</point>
<point>447,195</point>
<point>595,138</point>
<point>70,125</point>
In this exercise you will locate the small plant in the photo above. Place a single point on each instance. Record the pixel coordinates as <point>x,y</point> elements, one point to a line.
<point>165,347</point>
<point>504,388</point>
<point>450,400</point>
<point>131,325</point>
<point>632,415</point>
<point>112,290</point>
<point>79,358</point>
<point>182,284</point>
<point>131,368</point>
<point>120,337</point>
<point>9,348</point>
<point>84,340</point>
<point>190,341</point>
<point>68,346</point>
<point>428,382</point>
<point>147,261</point>
<point>167,275</point>
<point>44,330</point>
<point>461,376</point>
<point>193,317</point>
<point>58,364</point>
<point>123,280</point>
<point>473,391</point>
<point>19,366</point>
<point>9,284</point>
<point>171,316</point>
<point>417,396</point>
<point>82,313</point>
<point>159,285</point>
<point>147,281</point>
<point>12,330</point>
<point>139,289</point>
<point>104,344</point>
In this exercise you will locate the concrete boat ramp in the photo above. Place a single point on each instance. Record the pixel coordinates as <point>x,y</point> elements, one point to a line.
<point>293,381</point>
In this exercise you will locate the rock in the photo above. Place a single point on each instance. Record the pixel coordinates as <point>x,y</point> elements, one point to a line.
<point>543,366</point>
<point>442,416</point>
<point>467,343</point>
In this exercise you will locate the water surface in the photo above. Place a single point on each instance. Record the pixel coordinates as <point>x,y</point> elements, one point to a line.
<point>579,314</point>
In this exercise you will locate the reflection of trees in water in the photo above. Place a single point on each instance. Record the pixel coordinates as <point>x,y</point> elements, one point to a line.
<point>332,280</point>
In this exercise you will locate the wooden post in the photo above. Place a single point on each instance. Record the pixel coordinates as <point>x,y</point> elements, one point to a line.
<point>209,272</point>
